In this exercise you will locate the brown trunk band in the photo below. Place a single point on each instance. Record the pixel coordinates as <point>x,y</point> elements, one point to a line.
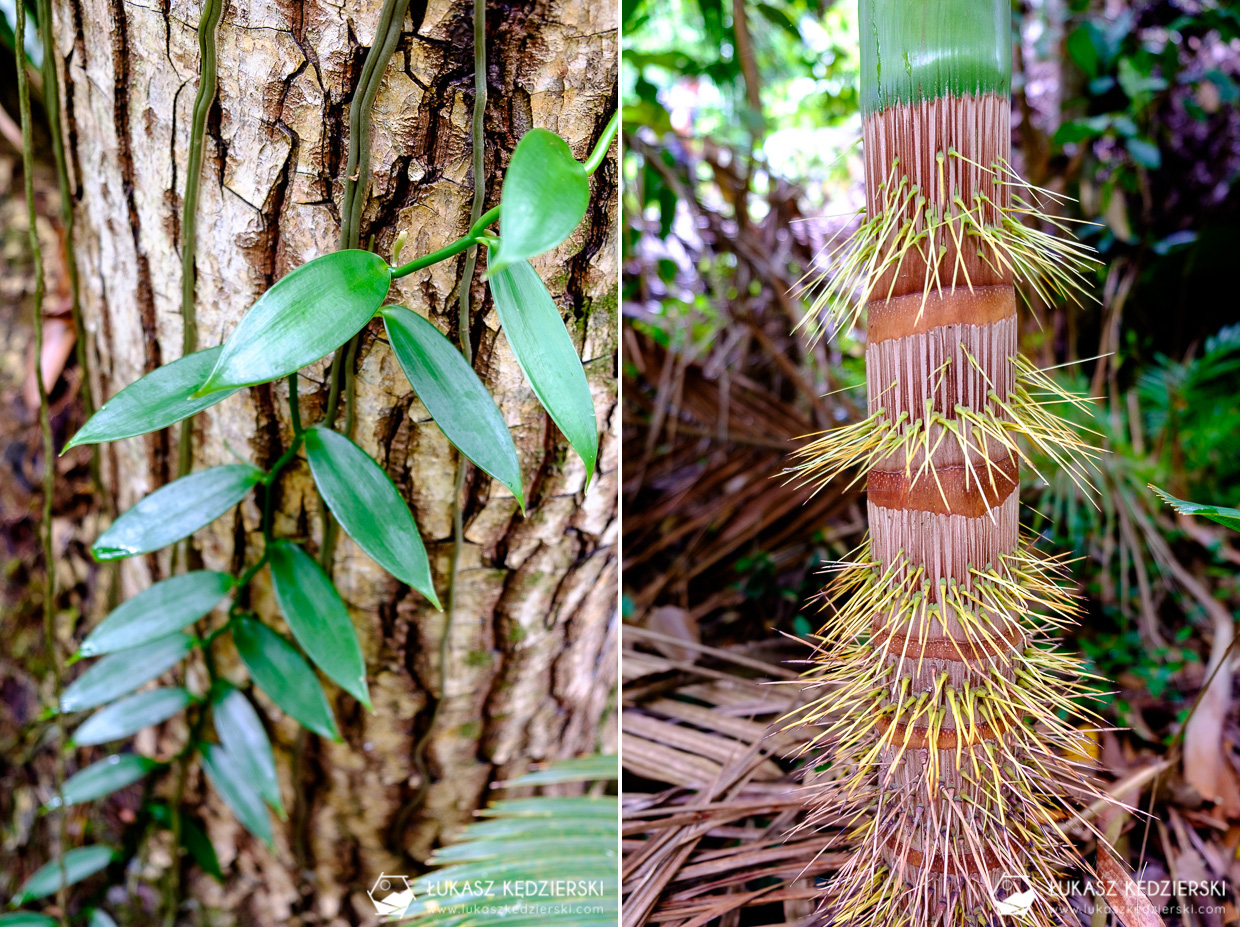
<point>938,863</point>
<point>902,316</point>
<point>958,490</point>
<point>918,738</point>
<point>948,649</point>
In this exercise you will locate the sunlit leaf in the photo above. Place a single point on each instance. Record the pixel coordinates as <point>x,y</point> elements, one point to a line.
<point>78,864</point>
<point>544,197</point>
<point>547,840</point>
<point>103,778</point>
<point>580,769</point>
<point>159,399</point>
<point>1219,513</point>
<point>100,918</point>
<point>280,671</point>
<point>164,608</point>
<point>306,315</point>
<point>551,806</point>
<point>318,617</point>
<point>243,735</point>
<point>130,715</point>
<point>546,354</point>
<point>227,776</point>
<point>120,673</point>
<point>368,506</point>
<point>176,511</point>
<point>26,919</point>
<point>454,396</point>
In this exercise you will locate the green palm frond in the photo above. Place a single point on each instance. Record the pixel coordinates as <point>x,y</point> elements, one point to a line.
<point>547,860</point>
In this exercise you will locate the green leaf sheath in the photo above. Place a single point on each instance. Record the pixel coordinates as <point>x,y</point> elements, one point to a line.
<point>130,715</point>
<point>453,395</point>
<point>318,617</point>
<point>78,864</point>
<point>161,398</point>
<point>103,778</point>
<point>546,354</point>
<point>306,315</point>
<point>228,777</point>
<point>544,198</point>
<point>160,610</point>
<point>244,737</point>
<point>369,507</point>
<point>1219,513</point>
<point>929,49</point>
<point>120,673</point>
<point>279,670</point>
<point>176,511</point>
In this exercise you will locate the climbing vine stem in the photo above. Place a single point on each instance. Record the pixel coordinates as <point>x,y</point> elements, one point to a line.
<point>477,233</point>
<point>45,427</point>
<point>205,96</point>
<point>203,99</point>
<point>51,105</point>
<point>356,185</point>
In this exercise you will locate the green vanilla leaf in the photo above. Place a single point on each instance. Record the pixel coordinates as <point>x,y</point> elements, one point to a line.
<point>1219,513</point>
<point>176,511</point>
<point>78,864</point>
<point>198,845</point>
<point>318,617</point>
<point>368,506</point>
<point>120,673</point>
<point>102,778</point>
<point>164,608</point>
<point>544,198</point>
<point>228,777</point>
<point>193,838</point>
<point>454,396</point>
<point>26,919</point>
<point>244,737</point>
<point>161,398</point>
<point>306,315</point>
<point>130,715</point>
<point>280,671</point>
<point>100,918</point>
<point>546,354</point>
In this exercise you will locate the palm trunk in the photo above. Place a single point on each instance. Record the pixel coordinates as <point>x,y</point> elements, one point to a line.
<point>944,696</point>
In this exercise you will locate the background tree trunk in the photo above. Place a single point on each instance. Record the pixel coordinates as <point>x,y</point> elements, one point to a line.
<point>531,655</point>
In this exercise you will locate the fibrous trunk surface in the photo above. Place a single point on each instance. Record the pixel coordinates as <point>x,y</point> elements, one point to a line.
<point>946,708</point>
<point>530,658</point>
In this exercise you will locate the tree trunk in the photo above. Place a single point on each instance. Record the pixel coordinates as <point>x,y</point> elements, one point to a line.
<point>531,647</point>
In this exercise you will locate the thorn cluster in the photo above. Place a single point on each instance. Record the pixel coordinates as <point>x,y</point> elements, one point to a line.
<point>1000,424</point>
<point>952,736</point>
<point>1002,229</point>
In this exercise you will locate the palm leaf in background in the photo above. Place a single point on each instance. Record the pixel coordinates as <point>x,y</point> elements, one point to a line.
<point>495,873</point>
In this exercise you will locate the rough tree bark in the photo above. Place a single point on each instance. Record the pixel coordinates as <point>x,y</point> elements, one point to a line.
<point>531,656</point>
